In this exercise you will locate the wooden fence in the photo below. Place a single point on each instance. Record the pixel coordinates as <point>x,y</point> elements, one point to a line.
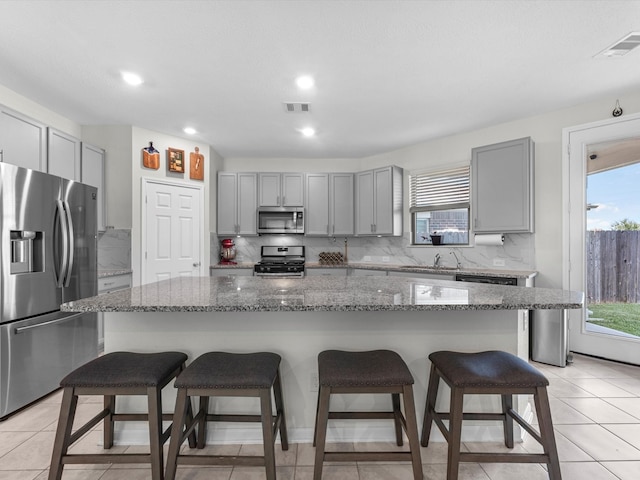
<point>613,266</point>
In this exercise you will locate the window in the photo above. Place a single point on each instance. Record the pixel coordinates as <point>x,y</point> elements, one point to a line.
<point>439,205</point>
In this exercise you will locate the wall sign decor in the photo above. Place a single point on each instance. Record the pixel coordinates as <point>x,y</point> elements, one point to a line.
<point>150,157</point>
<point>175,160</point>
<point>196,165</point>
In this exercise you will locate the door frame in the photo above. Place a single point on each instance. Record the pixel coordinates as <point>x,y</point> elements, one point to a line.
<point>143,220</point>
<point>574,142</point>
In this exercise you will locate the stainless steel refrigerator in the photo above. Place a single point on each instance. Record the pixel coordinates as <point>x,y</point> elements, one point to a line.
<point>48,256</point>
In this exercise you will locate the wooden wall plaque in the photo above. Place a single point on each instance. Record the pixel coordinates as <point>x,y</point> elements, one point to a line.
<point>196,165</point>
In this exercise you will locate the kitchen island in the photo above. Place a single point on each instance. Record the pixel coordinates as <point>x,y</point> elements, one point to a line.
<point>299,317</point>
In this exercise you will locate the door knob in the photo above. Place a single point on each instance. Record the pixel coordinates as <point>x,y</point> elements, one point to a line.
<point>196,264</point>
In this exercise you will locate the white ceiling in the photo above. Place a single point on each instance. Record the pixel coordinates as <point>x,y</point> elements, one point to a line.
<point>388,73</point>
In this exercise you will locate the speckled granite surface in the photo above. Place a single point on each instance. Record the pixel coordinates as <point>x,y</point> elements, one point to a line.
<point>320,293</point>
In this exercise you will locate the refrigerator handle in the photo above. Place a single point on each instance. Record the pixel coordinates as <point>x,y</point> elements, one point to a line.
<point>65,244</point>
<point>72,247</point>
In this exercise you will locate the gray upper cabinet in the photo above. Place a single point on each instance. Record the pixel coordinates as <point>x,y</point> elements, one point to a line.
<point>329,203</point>
<point>281,189</point>
<point>237,203</point>
<point>64,157</point>
<point>502,187</point>
<point>379,202</point>
<point>23,141</point>
<point>92,173</point>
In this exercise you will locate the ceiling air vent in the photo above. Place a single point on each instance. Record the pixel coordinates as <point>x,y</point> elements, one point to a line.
<point>622,46</point>
<point>297,107</point>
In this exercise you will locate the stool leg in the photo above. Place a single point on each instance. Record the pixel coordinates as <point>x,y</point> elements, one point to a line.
<point>395,400</point>
<point>193,441</point>
<point>179,422</point>
<point>412,431</point>
<point>110,405</point>
<point>430,405</point>
<point>315,425</point>
<point>322,418</point>
<point>546,432</point>
<point>202,423</point>
<point>455,433</point>
<point>154,402</point>
<point>63,432</point>
<point>277,394</point>
<point>267,433</point>
<point>507,421</point>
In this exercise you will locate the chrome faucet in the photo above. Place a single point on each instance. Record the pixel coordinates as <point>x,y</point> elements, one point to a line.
<point>458,264</point>
<point>436,260</point>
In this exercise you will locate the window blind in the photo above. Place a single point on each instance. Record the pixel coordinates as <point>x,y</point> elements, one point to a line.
<point>439,190</point>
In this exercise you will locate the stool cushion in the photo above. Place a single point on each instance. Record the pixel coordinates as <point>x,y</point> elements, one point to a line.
<point>230,370</point>
<point>487,369</point>
<point>126,369</point>
<point>337,368</point>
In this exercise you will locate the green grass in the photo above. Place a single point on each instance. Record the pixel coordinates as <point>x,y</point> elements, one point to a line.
<point>624,317</point>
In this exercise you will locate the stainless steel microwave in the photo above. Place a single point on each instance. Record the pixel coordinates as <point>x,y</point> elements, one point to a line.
<point>288,220</point>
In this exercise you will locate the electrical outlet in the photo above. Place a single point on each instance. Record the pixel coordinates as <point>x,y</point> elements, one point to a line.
<point>498,262</point>
<point>367,258</point>
<point>385,259</point>
<point>313,382</point>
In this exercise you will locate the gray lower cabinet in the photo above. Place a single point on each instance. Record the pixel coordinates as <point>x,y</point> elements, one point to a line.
<point>502,187</point>
<point>23,141</point>
<point>106,285</point>
<point>237,204</point>
<point>64,157</point>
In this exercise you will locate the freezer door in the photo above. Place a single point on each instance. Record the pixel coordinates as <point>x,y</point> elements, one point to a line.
<point>36,354</point>
<point>29,262</point>
<point>81,205</point>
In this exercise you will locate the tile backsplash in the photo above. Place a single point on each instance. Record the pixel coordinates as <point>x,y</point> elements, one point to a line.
<point>114,250</point>
<point>517,253</point>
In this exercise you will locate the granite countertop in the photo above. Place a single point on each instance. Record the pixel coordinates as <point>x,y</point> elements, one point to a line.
<point>485,272</point>
<point>320,293</point>
<point>113,273</point>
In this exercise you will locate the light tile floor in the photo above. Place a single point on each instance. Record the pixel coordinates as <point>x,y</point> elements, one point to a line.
<point>595,406</point>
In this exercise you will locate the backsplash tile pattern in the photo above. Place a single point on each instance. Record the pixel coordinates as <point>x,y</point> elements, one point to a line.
<point>114,250</point>
<point>517,253</point>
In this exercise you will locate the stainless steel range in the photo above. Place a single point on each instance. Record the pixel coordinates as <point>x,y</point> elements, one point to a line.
<point>280,262</point>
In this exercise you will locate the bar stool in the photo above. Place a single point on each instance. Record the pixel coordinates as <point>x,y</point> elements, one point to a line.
<point>118,373</point>
<point>489,373</point>
<point>221,374</point>
<point>378,371</point>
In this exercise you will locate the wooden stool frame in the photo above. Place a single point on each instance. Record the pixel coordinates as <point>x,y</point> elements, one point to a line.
<point>183,427</point>
<point>154,416</point>
<point>507,416</point>
<point>407,422</point>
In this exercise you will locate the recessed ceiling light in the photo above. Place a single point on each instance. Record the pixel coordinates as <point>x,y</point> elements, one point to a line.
<point>189,130</point>
<point>308,132</point>
<point>305,82</point>
<point>132,78</point>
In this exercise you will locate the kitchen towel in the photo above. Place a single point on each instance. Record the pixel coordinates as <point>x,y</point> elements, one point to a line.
<point>490,239</point>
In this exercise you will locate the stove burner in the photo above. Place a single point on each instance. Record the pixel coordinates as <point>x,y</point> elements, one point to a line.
<point>281,261</point>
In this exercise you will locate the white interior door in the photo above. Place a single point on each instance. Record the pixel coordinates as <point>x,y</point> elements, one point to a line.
<point>576,141</point>
<point>172,234</point>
